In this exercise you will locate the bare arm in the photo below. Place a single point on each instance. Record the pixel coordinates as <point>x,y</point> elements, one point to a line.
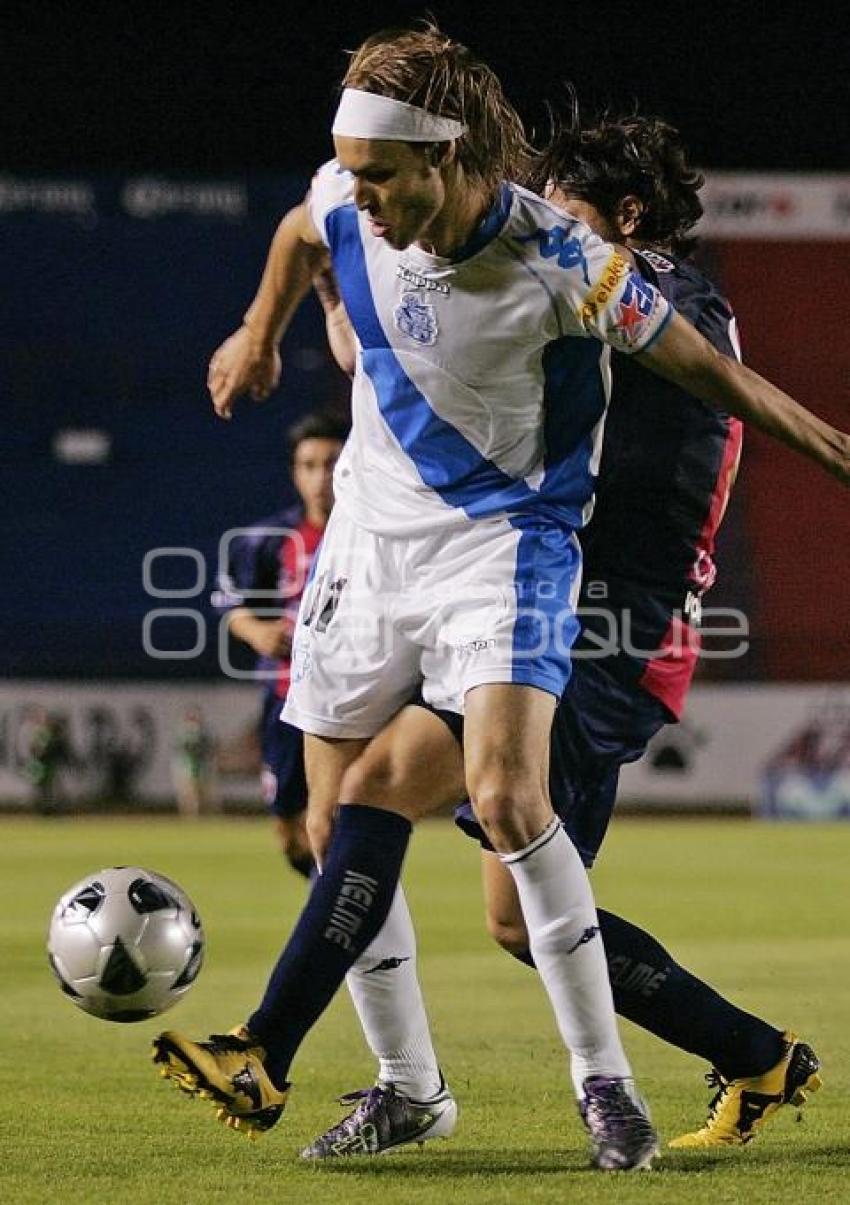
<point>248,361</point>
<point>680,354</point>
<point>267,637</point>
<point>337,323</point>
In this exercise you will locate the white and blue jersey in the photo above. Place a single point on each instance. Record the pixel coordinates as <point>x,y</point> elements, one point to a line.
<point>479,399</point>
<point>482,381</point>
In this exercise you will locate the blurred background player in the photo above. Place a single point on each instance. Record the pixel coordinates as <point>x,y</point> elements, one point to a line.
<point>192,764</point>
<point>267,569</point>
<point>47,752</point>
<point>668,465</point>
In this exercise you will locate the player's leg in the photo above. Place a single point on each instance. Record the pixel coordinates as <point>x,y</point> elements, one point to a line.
<point>650,988</point>
<point>598,725</point>
<point>602,723</point>
<point>413,767</point>
<point>505,623</point>
<point>506,758</point>
<point>410,1101</point>
<point>416,758</point>
<point>506,742</point>
<point>326,760</point>
<point>284,785</point>
<point>351,674</point>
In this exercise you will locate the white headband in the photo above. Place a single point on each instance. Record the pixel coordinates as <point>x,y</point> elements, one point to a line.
<point>367,115</point>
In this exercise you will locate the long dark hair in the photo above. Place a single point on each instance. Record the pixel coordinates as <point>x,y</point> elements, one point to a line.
<point>604,160</point>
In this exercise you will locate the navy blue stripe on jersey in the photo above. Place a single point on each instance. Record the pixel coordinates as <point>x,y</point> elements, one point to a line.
<point>489,228</point>
<point>445,460</point>
<point>575,401</point>
<point>548,565</point>
<point>349,263</point>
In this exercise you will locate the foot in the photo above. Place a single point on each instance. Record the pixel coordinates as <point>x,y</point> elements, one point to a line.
<point>383,1120</point>
<point>740,1107</point>
<point>228,1070</point>
<point>619,1126</point>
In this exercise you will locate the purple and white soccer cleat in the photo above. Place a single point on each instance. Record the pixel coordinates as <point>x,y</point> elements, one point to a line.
<point>618,1123</point>
<point>383,1120</point>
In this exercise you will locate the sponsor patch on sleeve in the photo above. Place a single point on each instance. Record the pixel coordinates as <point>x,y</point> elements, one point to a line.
<point>623,308</point>
<point>600,295</point>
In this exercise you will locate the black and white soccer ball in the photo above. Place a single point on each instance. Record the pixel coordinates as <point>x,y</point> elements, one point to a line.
<point>125,943</point>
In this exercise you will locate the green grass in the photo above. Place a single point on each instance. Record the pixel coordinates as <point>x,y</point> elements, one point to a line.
<point>760,910</point>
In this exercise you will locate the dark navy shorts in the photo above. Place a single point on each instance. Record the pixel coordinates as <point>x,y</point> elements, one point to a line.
<point>600,724</point>
<point>284,782</point>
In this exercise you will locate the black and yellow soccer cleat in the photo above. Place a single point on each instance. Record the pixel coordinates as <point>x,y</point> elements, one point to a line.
<point>740,1107</point>
<point>228,1070</point>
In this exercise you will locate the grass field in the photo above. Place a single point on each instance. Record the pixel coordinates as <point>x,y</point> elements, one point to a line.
<point>761,910</point>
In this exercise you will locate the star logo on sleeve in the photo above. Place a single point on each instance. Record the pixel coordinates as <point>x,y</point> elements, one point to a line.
<point>631,321</point>
<point>635,309</point>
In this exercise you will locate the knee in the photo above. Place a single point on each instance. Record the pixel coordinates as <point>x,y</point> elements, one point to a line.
<point>382,780</point>
<point>511,814</point>
<point>369,780</point>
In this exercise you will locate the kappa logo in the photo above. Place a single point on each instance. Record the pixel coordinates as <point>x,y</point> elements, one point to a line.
<point>388,964</point>
<point>557,243</point>
<point>414,317</point>
<point>479,645</point>
<point>418,281</point>
<point>587,935</point>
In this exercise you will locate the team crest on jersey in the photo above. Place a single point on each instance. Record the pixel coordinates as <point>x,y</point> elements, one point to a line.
<point>636,307</point>
<point>414,317</point>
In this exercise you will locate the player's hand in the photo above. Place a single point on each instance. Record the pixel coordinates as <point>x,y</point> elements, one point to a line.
<point>273,638</point>
<point>242,365</point>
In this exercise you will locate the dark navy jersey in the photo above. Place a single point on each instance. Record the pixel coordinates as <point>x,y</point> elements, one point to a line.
<point>668,464</point>
<point>253,570</point>
<point>267,568</point>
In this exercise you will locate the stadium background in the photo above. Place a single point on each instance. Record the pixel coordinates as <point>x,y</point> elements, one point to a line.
<point>114,291</point>
<point>147,159</point>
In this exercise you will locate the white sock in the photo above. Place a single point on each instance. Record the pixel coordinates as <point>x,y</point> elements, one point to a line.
<point>385,991</point>
<point>563,930</point>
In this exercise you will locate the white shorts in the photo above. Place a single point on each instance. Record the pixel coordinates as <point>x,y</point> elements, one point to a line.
<point>383,616</point>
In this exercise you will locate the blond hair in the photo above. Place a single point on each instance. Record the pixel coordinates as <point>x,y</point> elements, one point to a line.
<point>428,69</point>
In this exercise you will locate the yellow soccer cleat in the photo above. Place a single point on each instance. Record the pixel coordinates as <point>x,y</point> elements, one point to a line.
<point>741,1107</point>
<point>228,1070</point>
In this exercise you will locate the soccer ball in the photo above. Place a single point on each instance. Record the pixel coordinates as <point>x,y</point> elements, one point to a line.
<point>125,943</point>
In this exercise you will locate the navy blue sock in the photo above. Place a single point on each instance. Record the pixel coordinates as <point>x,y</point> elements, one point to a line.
<point>345,911</point>
<point>651,989</point>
